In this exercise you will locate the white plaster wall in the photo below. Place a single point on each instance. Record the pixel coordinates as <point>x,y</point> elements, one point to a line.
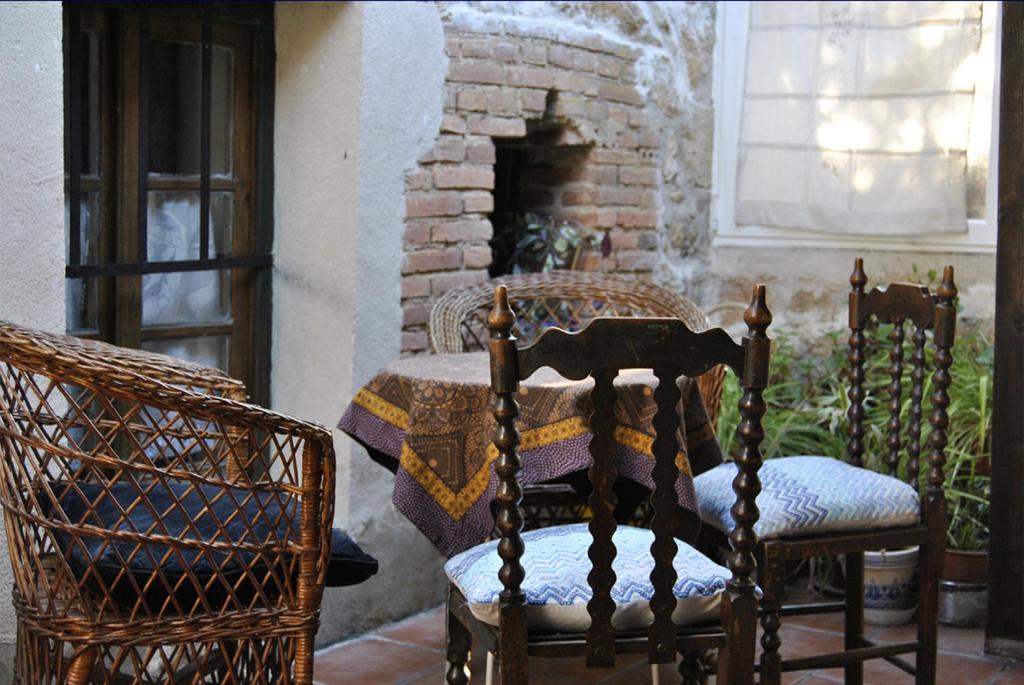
<point>32,165</point>
<point>31,198</point>
<point>807,288</point>
<point>403,67</point>
<point>352,113</point>
<point>316,134</point>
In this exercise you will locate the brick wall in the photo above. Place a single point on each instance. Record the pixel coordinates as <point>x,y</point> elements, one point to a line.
<point>501,86</point>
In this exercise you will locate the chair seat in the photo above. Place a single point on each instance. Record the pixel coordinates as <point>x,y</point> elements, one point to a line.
<point>810,494</point>
<point>178,509</point>
<point>557,565</point>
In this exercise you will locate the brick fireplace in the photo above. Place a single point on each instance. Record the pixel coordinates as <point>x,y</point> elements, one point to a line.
<point>562,127</point>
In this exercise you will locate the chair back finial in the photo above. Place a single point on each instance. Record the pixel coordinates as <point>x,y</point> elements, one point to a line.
<point>501,318</point>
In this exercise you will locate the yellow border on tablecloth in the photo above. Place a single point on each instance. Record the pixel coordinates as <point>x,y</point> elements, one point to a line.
<point>643,443</point>
<point>382,409</point>
<point>456,504</point>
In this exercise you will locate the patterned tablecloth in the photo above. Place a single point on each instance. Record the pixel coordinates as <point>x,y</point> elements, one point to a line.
<point>430,419</point>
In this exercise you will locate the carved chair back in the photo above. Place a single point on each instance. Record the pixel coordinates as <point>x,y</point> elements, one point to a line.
<point>600,350</point>
<point>568,300</point>
<point>901,304</point>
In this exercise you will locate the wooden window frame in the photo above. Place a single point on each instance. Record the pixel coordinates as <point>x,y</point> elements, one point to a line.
<point>123,181</point>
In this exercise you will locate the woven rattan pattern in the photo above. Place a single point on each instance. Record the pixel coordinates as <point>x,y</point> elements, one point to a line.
<point>566,299</point>
<point>75,412</point>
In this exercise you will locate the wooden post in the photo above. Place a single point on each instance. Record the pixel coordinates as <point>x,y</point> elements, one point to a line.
<point>855,446</point>
<point>739,602</point>
<point>505,383</point>
<point>1004,633</point>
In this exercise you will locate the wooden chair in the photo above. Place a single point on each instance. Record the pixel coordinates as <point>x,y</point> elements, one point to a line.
<point>568,300</point>
<point>818,506</point>
<point>159,529</point>
<point>498,589</point>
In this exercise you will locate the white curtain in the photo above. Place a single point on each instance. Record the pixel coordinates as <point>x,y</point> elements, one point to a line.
<point>856,116</point>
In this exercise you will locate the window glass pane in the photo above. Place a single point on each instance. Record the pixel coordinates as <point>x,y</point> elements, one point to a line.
<point>90,104</point>
<point>89,227</point>
<point>210,350</point>
<point>186,297</point>
<point>81,305</point>
<point>175,78</point>
<point>173,224</point>
<point>81,298</point>
<point>222,111</point>
<point>222,223</point>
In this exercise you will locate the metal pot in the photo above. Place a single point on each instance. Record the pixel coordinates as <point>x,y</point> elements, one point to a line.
<point>963,592</point>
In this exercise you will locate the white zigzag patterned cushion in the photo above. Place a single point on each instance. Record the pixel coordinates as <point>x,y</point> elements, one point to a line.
<point>557,565</point>
<point>803,495</point>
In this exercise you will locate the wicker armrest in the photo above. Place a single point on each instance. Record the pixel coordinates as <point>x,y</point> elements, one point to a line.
<point>198,377</point>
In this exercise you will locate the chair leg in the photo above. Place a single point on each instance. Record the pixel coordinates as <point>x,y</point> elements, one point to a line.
<point>929,571</point>
<point>691,669</point>
<point>304,648</point>
<point>854,632</point>
<point>773,581</point>
<point>459,643</point>
<point>736,655</point>
<point>80,669</point>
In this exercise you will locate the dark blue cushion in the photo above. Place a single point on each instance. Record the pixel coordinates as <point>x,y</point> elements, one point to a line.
<point>180,510</point>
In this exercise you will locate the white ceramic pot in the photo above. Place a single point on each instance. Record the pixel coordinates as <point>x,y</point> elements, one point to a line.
<point>888,586</point>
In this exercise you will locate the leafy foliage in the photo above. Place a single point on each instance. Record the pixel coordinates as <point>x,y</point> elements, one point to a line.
<point>807,406</point>
<point>546,244</point>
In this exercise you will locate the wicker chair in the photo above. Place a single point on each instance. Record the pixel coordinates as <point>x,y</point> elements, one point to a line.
<point>568,300</point>
<point>159,529</point>
<point>564,299</point>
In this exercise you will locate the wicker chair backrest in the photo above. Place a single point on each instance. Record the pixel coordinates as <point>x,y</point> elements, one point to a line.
<point>568,300</point>
<point>140,497</point>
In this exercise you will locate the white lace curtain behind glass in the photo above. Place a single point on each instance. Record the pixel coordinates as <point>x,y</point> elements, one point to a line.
<point>856,116</point>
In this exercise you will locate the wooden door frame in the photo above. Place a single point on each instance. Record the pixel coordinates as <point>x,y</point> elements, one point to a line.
<point>1004,632</point>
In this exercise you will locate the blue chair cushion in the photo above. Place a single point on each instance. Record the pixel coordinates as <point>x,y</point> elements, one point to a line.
<point>181,510</point>
<point>808,494</point>
<point>556,564</point>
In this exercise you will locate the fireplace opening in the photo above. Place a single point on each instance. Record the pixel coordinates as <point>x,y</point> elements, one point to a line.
<point>540,200</point>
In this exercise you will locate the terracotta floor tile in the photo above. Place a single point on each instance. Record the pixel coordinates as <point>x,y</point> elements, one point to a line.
<point>970,641</point>
<point>640,674</point>
<point>370,661</point>
<point>425,630</point>
<point>411,652</point>
<point>1013,675</point>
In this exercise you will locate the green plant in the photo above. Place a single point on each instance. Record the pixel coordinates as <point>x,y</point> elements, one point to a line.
<point>807,406</point>
<point>545,244</point>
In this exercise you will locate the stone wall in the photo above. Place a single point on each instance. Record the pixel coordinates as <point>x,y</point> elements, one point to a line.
<point>586,70</point>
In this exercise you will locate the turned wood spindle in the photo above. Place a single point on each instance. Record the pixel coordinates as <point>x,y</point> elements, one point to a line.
<point>746,485</point>
<point>893,441</point>
<point>855,446</point>
<point>945,329</point>
<point>917,374</point>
